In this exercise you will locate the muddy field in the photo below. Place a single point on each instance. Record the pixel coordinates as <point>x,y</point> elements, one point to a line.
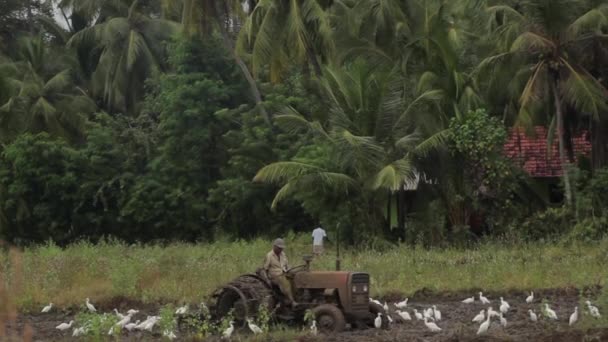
<point>456,321</point>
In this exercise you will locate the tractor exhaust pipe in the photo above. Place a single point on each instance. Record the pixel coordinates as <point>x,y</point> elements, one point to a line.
<point>338,247</point>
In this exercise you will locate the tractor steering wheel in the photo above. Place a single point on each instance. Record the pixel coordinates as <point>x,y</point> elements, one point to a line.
<point>296,269</point>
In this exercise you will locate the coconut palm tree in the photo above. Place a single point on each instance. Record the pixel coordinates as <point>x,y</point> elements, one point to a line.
<point>364,140</point>
<point>544,42</point>
<point>44,95</point>
<point>278,33</point>
<point>128,48</point>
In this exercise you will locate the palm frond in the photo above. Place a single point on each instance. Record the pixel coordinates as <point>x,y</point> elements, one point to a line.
<point>393,176</point>
<point>435,142</point>
<point>293,122</point>
<point>429,95</point>
<point>336,183</point>
<point>529,91</point>
<point>583,92</point>
<point>136,49</point>
<point>592,21</point>
<point>530,41</point>
<point>58,83</point>
<point>281,172</point>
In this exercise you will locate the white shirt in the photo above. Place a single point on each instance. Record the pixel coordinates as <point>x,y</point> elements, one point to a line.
<point>317,236</point>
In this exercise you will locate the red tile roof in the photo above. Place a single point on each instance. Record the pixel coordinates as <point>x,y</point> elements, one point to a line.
<point>530,152</point>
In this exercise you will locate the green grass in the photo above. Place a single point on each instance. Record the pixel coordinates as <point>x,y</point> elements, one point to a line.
<point>190,272</point>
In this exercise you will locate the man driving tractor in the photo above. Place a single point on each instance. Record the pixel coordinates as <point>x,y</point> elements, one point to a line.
<point>276,267</point>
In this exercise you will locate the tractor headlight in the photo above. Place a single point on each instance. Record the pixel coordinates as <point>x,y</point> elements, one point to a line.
<point>354,288</point>
<point>364,288</point>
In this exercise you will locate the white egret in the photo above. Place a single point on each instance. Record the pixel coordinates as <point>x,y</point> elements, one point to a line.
<point>169,334</point>
<point>484,300</point>
<point>64,326</point>
<point>533,316</point>
<point>469,300</point>
<point>90,306</point>
<point>574,316</point>
<point>120,316</point>
<point>378,321</point>
<point>124,321</point>
<point>228,331</point>
<point>504,308</point>
<point>401,304</point>
<point>371,300</point>
<point>404,315</point>
<point>78,331</point>
<point>593,310</point>
<point>390,319</point>
<point>550,313</point>
<point>131,326</point>
<point>504,302</point>
<point>481,316</point>
<point>385,307</point>
<point>431,325</point>
<point>182,310</point>
<point>254,328</point>
<point>313,328</point>
<point>503,320</point>
<point>151,323</point>
<point>428,313</point>
<point>492,312</point>
<point>141,325</point>
<point>418,315</point>
<point>436,313</point>
<point>132,311</point>
<point>530,298</point>
<point>483,328</point>
<point>47,308</point>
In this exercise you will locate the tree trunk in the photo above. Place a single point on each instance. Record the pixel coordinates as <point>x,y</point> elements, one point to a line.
<point>388,212</point>
<point>312,58</point>
<point>401,208</point>
<point>560,139</point>
<point>255,91</point>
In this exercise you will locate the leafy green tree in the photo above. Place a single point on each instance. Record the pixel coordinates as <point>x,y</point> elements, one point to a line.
<point>545,40</point>
<point>242,207</point>
<point>191,150</point>
<point>39,182</point>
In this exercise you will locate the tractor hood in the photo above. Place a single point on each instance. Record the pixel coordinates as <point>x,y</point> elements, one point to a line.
<point>322,279</point>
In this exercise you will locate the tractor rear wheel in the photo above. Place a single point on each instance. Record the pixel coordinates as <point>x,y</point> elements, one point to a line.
<point>330,318</point>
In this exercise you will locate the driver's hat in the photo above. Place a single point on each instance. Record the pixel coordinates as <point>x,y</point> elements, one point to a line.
<point>279,243</point>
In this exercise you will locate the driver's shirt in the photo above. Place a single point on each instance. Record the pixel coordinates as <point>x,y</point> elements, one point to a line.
<point>275,265</point>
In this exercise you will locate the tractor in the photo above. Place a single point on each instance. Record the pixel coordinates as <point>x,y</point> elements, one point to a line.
<point>335,298</point>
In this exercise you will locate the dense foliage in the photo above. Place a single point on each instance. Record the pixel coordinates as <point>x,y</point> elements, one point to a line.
<point>383,120</point>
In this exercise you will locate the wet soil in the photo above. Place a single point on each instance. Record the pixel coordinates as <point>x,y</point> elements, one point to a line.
<point>456,321</point>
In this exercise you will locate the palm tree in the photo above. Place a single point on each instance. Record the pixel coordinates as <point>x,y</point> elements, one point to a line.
<point>544,41</point>
<point>277,33</point>
<point>364,139</point>
<point>128,48</point>
<point>44,95</point>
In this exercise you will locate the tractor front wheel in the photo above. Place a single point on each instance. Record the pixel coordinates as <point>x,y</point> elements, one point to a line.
<point>330,318</point>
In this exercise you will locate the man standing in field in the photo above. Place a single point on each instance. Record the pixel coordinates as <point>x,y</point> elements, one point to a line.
<point>317,240</point>
<point>276,267</point>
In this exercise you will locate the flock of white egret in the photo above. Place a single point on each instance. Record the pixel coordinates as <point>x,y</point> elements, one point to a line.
<point>124,321</point>
<point>432,316</point>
